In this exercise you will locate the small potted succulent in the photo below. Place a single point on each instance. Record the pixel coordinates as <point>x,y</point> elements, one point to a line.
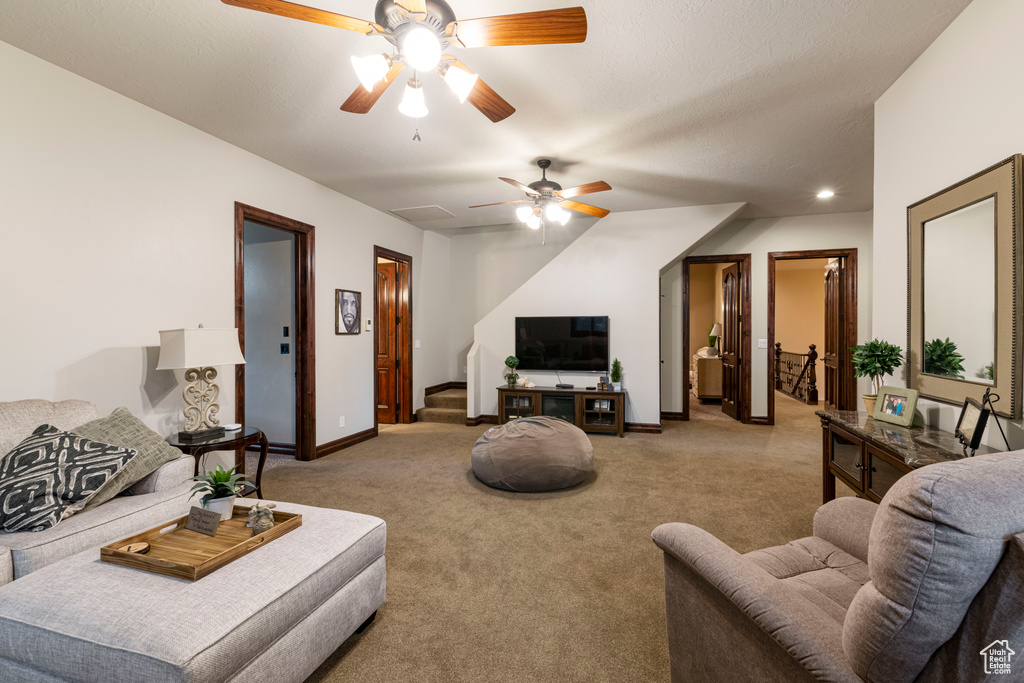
<point>219,488</point>
<point>616,374</point>
<point>511,377</point>
<point>875,359</point>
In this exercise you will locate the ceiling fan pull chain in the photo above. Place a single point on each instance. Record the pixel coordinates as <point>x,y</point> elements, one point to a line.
<point>417,137</point>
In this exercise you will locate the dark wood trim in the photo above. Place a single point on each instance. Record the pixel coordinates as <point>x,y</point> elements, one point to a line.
<point>345,442</point>
<point>481,420</point>
<point>404,342</point>
<point>850,312</point>
<point>305,319</point>
<point>438,388</point>
<point>673,416</point>
<point>763,421</point>
<point>643,427</point>
<point>744,261</point>
<point>276,448</point>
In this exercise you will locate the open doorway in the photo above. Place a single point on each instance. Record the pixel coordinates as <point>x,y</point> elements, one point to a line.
<point>392,337</point>
<point>274,317</point>
<point>716,290</point>
<point>812,295</point>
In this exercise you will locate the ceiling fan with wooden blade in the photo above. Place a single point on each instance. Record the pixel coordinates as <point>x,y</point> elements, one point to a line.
<point>419,30</point>
<point>549,200</point>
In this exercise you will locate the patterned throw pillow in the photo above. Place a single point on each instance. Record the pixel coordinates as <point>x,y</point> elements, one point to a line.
<point>51,475</point>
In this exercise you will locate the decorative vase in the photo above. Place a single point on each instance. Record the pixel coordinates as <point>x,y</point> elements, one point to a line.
<point>617,386</point>
<point>225,506</point>
<point>869,402</point>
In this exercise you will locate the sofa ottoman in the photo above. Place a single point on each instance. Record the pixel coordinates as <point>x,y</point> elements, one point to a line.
<point>273,615</point>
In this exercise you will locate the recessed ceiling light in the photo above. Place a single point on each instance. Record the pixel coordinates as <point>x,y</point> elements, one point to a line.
<point>826,194</point>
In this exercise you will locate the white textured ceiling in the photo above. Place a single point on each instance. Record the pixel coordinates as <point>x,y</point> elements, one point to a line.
<point>674,103</point>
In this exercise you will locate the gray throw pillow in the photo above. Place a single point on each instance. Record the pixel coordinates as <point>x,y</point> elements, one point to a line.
<point>52,474</point>
<point>124,429</point>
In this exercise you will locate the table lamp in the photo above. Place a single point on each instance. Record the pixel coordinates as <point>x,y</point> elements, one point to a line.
<point>197,351</point>
<point>716,332</point>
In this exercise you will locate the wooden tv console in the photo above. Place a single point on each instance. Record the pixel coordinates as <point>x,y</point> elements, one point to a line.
<point>590,410</point>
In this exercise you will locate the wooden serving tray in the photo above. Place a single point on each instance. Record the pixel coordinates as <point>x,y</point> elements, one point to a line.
<point>184,554</point>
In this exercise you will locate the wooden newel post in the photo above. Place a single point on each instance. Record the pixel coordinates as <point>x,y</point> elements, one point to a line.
<point>778,363</point>
<point>812,377</point>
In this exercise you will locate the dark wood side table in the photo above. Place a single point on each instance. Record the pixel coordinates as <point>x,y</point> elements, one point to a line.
<point>869,456</point>
<point>236,440</point>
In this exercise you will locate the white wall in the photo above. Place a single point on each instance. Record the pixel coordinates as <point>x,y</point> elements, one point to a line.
<point>954,112</point>
<point>613,269</point>
<point>490,264</point>
<point>673,368</point>
<point>118,222</point>
<point>758,237</point>
<point>269,308</point>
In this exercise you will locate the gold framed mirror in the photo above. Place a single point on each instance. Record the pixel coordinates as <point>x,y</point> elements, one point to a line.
<point>964,290</point>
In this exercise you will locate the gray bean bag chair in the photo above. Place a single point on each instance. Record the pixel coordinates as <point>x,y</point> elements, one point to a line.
<point>533,454</point>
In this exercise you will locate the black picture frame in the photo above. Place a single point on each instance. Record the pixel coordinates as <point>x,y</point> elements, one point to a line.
<point>970,426</point>
<point>341,326</point>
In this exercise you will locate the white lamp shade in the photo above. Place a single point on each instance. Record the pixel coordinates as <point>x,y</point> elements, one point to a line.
<point>716,330</point>
<point>200,347</point>
<point>371,70</point>
<point>413,103</point>
<point>523,213</point>
<point>461,82</point>
<point>533,222</point>
<point>564,217</point>
<point>422,48</point>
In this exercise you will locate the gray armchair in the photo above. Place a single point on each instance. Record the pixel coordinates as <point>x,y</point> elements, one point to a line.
<point>913,589</point>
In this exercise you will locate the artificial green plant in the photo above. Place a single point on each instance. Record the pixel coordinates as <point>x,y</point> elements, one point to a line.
<point>220,483</point>
<point>876,359</point>
<point>942,358</point>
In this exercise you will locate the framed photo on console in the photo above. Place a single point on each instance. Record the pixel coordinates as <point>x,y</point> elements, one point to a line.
<point>971,425</point>
<point>896,405</point>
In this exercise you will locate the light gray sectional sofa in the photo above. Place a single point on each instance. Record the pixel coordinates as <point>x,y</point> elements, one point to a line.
<point>158,497</point>
<point>913,589</point>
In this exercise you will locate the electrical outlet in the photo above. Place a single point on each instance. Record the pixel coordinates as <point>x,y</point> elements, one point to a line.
<point>341,421</point>
<point>762,343</point>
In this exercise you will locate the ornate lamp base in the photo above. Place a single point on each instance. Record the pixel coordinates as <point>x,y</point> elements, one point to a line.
<point>201,406</point>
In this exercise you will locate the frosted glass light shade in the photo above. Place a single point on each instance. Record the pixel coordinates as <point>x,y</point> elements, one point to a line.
<point>371,70</point>
<point>564,217</point>
<point>533,222</point>
<point>413,103</point>
<point>523,213</point>
<point>422,49</point>
<point>201,347</point>
<point>461,82</point>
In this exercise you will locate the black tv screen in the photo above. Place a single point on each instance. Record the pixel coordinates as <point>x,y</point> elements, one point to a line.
<point>562,343</point>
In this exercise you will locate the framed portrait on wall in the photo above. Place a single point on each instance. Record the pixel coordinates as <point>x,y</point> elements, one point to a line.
<point>347,310</point>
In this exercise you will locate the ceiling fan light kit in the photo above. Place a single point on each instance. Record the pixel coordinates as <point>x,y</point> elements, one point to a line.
<point>420,30</point>
<point>413,103</point>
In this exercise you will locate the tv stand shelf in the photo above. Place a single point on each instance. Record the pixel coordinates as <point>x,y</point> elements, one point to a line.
<point>590,410</point>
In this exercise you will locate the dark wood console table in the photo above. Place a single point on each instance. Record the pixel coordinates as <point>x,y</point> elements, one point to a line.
<point>588,409</point>
<point>869,456</point>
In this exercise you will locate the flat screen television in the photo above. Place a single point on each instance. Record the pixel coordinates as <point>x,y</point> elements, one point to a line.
<point>562,343</point>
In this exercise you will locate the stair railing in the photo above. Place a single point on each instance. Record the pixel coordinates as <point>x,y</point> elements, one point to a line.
<point>795,374</point>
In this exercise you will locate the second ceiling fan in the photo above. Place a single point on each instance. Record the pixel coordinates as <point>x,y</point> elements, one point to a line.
<point>546,200</point>
<point>420,30</point>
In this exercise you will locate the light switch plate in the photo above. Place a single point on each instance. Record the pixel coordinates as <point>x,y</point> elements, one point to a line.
<point>369,325</point>
<point>417,343</point>
<point>762,343</point>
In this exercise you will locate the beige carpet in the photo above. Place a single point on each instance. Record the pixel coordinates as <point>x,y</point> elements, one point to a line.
<point>485,585</point>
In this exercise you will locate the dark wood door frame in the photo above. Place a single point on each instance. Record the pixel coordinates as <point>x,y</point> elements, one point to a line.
<point>745,326</point>
<point>305,331</point>
<point>850,316</point>
<point>403,341</point>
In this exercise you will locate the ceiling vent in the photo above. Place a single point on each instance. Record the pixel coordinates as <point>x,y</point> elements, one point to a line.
<point>421,214</point>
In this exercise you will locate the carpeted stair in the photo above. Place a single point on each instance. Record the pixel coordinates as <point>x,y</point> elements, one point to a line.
<point>448,406</point>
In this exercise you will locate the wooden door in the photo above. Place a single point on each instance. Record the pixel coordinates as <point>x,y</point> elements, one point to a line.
<point>835,355</point>
<point>387,338</point>
<point>732,361</point>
